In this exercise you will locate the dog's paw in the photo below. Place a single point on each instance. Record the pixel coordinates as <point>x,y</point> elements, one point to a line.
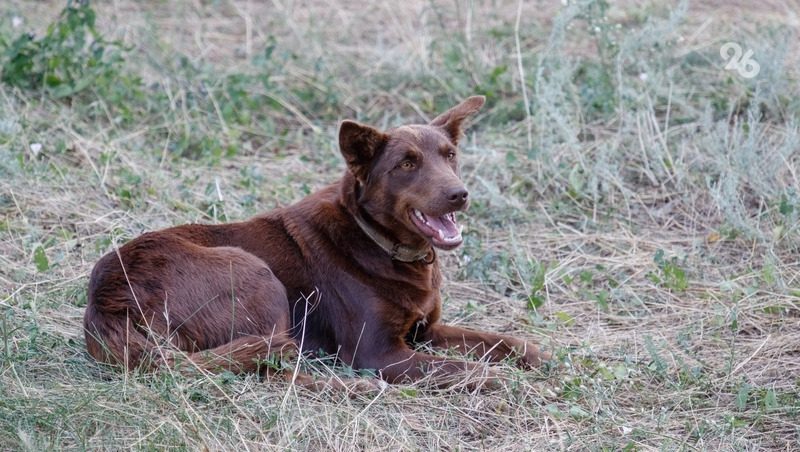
<point>492,380</point>
<point>352,386</point>
<point>532,356</point>
<point>482,378</point>
<point>364,386</point>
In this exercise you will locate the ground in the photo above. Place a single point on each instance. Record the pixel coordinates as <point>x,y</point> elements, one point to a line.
<point>636,208</point>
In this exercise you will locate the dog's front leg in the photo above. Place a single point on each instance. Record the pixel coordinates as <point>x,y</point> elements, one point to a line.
<point>494,347</point>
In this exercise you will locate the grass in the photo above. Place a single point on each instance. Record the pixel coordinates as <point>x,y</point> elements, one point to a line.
<point>636,207</point>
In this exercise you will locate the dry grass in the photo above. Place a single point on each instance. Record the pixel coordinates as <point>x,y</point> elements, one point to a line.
<point>636,209</point>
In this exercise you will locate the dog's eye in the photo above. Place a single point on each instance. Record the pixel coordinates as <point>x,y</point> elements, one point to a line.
<point>451,155</point>
<point>407,165</point>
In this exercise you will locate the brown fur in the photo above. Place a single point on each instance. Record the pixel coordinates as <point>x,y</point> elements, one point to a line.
<point>233,295</point>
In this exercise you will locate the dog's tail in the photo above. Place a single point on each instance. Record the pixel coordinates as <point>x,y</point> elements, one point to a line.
<point>109,325</point>
<point>113,338</point>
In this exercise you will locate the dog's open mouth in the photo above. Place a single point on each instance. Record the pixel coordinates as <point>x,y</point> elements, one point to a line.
<point>443,232</point>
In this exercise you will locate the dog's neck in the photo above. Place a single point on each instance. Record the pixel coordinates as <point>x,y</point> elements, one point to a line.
<point>396,250</point>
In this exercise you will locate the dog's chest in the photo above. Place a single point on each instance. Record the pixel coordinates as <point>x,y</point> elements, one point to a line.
<point>424,307</point>
<point>421,312</point>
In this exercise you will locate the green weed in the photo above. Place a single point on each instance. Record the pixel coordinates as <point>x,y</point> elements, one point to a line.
<point>671,273</point>
<point>71,58</point>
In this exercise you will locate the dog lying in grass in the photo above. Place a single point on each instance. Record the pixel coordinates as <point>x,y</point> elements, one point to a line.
<point>350,270</point>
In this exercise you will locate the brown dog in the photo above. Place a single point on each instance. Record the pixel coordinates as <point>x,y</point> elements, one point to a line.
<point>350,270</point>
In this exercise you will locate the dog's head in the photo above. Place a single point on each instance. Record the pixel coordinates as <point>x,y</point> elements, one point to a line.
<point>407,178</point>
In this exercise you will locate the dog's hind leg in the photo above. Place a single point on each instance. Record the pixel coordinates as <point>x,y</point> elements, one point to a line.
<point>267,356</point>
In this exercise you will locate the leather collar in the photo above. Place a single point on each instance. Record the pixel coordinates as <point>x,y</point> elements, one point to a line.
<point>396,250</point>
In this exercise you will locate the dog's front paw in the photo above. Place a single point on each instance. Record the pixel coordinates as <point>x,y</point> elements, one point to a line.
<point>531,355</point>
<point>484,379</point>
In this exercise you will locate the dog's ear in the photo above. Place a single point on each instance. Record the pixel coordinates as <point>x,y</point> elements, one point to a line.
<point>450,121</point>
<point>359,143</point>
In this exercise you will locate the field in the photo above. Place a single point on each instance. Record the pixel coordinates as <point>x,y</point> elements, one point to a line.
<point>636,208</point>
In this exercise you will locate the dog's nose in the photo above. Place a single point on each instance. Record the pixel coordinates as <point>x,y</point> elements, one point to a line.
<point>457,197</point>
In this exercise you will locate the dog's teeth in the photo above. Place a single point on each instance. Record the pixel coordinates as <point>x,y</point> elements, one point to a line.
<point>441,234</point>
<point>460,229</point>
